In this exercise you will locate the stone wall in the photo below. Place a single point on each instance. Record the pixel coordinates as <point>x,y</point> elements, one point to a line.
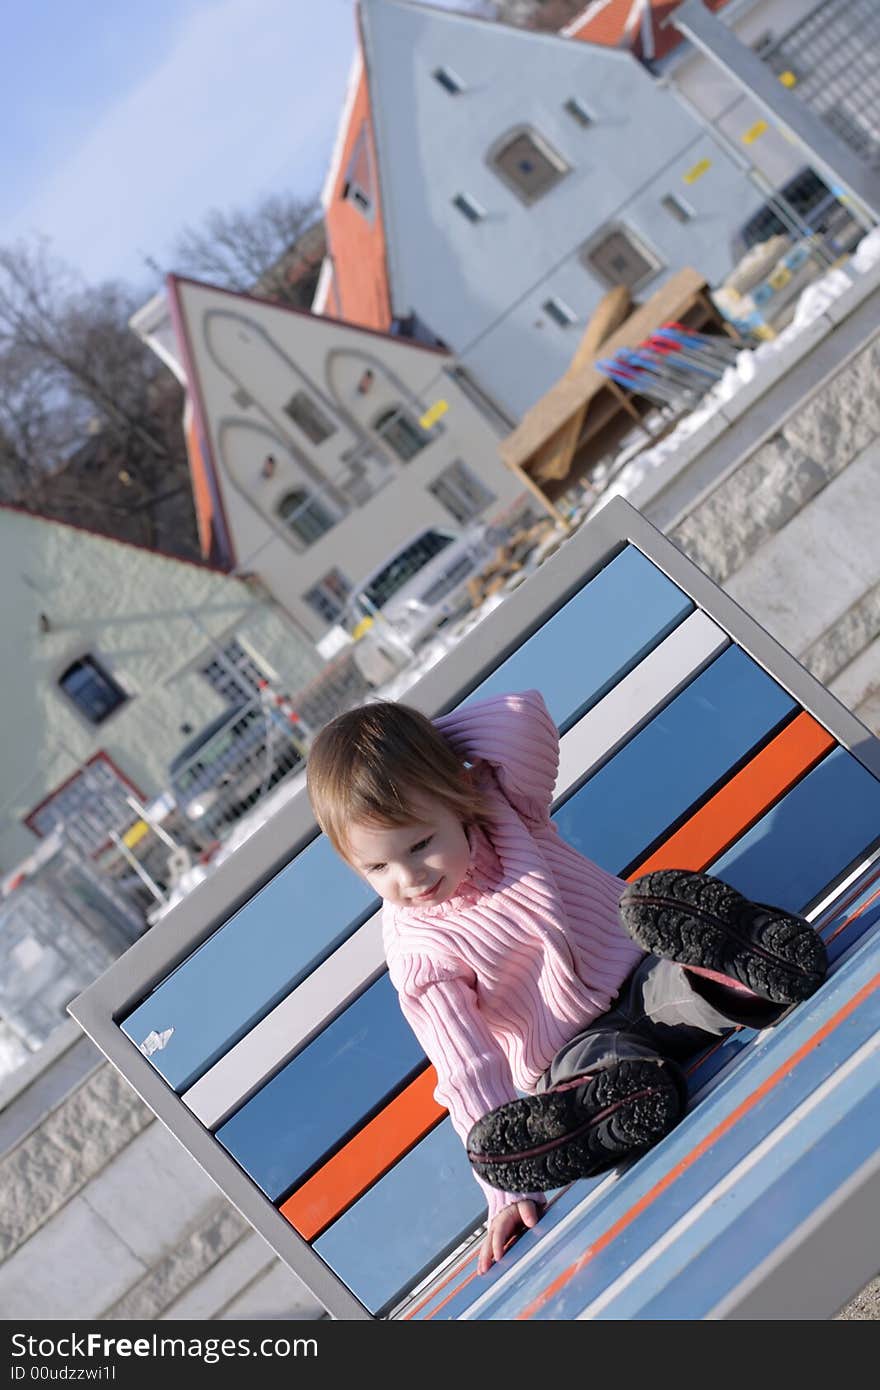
<point>791,534</point>
<point>788,527</point>
<point>105,1216</point>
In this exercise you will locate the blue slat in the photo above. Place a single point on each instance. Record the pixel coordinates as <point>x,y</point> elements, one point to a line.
<point>325,1092</point>
<point>811,835</point>
<point>252,962</point>
<point>839,1136</point>
<point>407,1222</point>
<point>673,762</point>
<point>595,639</point>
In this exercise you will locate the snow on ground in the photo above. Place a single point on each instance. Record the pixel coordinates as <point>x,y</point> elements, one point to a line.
<point>812,303</point>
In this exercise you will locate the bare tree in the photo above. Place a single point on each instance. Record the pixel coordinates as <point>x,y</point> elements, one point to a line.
<point>548,16</point>
<point>88,431</point>
<point>268,250</point>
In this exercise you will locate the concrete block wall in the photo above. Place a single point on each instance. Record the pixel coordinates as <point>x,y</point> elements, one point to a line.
<point>791,534</point>
<point>103,1215</point>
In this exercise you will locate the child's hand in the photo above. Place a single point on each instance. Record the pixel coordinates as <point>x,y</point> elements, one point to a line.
<point>505,1228</point>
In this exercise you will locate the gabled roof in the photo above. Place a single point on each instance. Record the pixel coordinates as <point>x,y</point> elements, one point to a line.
<point>17,509</point>
<point>633,24</point>
<point>354,284</point>
<point>215,532</point>
<point>420,128</point>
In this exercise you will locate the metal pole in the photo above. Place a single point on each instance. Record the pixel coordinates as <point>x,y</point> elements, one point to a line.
<point>138,868</point>
<point>822,147</point>
<point>154,825</point>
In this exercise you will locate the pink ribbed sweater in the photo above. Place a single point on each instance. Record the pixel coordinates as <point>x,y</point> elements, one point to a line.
<point>529,949</point>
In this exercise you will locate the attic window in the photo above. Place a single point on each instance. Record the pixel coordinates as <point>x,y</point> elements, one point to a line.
<point>578,111</point>
<point>353,193</point>
<point>448,80</point>
<point>676,208</point>
<point>357,187</point>
<point>557,309</point>
<point>469,207</point>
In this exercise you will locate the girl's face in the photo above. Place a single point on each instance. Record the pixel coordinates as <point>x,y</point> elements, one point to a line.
<point>423,862</point>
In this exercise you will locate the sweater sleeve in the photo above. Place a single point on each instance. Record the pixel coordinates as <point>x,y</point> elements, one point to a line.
<point>439,1002</point>
<point>517,737</point>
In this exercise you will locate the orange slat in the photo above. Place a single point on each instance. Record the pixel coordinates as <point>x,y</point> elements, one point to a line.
<point>378,1146</point>
<point>742,800</point>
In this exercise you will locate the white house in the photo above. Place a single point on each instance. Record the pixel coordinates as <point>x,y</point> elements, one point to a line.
<point>316,447</point>
<point>516,176</point>
<point>121,655</point>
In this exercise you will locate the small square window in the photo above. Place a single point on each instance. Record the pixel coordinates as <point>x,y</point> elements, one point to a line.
<point>469,207</point>
<point>578,111</point>
<point>557,309</point>
<point>618,257</point>
<point>311,420</point>
<point>449,80</point>
<point>92,689</point>
<point>676,208</point>
<point>528,164</point>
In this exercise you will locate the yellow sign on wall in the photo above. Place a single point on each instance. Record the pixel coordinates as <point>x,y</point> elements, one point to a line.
<point>698,170</point>
<point>755,132</point>
<point>135,834</point>
<point>433,413</point>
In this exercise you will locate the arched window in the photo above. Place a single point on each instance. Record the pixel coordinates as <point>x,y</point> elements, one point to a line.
<point>401,432</point>
<point>305,515</point>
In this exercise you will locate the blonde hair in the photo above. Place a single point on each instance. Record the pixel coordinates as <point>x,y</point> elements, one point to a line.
<point>370,763</point>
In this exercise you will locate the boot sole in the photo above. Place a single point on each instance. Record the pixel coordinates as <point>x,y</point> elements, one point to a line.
<point>694,919</point>
<point>575,1130</point>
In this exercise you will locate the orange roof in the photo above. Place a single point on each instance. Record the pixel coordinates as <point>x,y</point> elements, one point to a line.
<point>623,24</point>
<point>215,536</point>
<point>356,236</point>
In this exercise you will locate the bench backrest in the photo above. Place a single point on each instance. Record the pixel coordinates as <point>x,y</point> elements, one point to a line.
<point>269,1039</point>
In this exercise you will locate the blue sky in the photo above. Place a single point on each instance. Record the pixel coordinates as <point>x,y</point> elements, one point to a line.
<point>125,123</point>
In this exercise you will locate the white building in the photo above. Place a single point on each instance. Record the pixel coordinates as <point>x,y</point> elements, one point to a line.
<point>504,180</point>
<point>316,447</point>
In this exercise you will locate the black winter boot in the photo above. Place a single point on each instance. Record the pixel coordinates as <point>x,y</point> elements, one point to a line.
<point>577,1128</point>
<point>698,920</point>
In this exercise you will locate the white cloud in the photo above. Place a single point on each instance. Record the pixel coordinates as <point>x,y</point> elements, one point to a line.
<point>246,103</point>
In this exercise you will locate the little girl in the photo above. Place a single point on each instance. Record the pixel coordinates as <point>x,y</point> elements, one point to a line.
<point>522,966</point>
